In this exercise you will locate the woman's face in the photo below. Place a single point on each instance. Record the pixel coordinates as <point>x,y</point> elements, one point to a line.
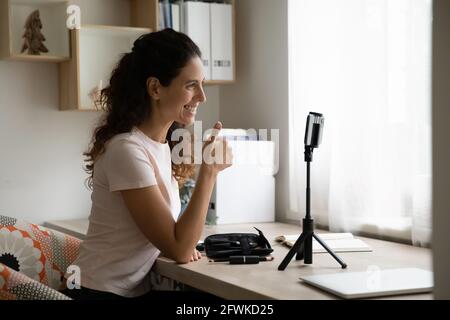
<point>179,101</point>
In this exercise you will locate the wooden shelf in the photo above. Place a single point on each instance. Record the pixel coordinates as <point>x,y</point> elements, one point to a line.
<point>114,30</point>
<point>14,13</point>
<point>145,13</point>
<point>218,82</point>
<point>41,58</point>
<point>95,51</point>
<point>65,47</point>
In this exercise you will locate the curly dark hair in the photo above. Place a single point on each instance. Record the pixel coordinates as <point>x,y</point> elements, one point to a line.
<point>126,101</point>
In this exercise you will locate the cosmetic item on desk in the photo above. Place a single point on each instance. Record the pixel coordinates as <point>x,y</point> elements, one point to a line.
<point>200,246</point>
<point>243,259</point>
<point>225,245</point>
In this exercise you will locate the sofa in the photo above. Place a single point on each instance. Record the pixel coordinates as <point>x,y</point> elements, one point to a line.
<point>34,259</point>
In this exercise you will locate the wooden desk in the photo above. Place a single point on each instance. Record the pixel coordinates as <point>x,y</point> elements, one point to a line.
<point>263,280</point>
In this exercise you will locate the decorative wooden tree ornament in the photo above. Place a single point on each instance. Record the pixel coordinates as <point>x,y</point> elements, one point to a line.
<point>33,38</point>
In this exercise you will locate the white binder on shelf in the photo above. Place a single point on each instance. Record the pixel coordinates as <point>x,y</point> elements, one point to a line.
<point>197,27</point>
<point>175,16</point>
<point>167,14</point>
<point>221,41</point>
<point>161,18</point>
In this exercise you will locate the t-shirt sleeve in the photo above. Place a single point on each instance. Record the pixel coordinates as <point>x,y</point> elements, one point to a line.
<point>127,166</point>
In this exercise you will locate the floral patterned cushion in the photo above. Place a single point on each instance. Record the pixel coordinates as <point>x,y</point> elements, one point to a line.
<point>39,253</point>
<point>17,286</point>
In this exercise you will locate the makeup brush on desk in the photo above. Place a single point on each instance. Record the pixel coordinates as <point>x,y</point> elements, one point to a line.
<point>243,259</point>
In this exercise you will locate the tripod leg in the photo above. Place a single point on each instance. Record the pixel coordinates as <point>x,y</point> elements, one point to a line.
<point>342,263</point>
<point>308,249</point>
<point>301,252</point>
<point>295,249</point>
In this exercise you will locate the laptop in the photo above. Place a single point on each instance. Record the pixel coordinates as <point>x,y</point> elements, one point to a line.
<point>373,283</point>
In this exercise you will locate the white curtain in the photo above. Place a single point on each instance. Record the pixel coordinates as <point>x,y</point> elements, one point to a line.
<point>366,65</point>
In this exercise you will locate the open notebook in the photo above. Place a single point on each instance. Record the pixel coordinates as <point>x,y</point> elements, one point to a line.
<point>338,242</point>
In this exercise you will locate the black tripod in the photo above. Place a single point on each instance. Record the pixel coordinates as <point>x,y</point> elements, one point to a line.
<point>303,246</point>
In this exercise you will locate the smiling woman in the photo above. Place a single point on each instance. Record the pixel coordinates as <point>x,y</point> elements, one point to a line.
<point>161,75</point>
<point>154,90</point>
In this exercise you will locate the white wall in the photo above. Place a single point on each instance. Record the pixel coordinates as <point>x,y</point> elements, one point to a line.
<point>104,12</point>
<point>208,112</point>
<point>41,175</point>
<point>259,98</point>
<point>441,150</point>
<point>41,162</point>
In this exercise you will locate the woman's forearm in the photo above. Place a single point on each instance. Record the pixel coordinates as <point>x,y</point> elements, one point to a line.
<point>189,227</point>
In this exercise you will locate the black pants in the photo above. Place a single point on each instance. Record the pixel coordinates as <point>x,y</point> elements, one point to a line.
<point>90,294</point>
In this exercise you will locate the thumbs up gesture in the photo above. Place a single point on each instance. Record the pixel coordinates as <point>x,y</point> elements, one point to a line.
<point>217,154</point>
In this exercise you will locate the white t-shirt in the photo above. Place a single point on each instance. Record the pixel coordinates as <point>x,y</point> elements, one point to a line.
<point>115,255</point>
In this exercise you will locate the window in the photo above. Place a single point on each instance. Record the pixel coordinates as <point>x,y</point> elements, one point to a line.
<point>366,65</point>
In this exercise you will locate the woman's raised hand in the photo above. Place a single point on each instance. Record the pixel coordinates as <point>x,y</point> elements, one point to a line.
<point>217,154</point>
